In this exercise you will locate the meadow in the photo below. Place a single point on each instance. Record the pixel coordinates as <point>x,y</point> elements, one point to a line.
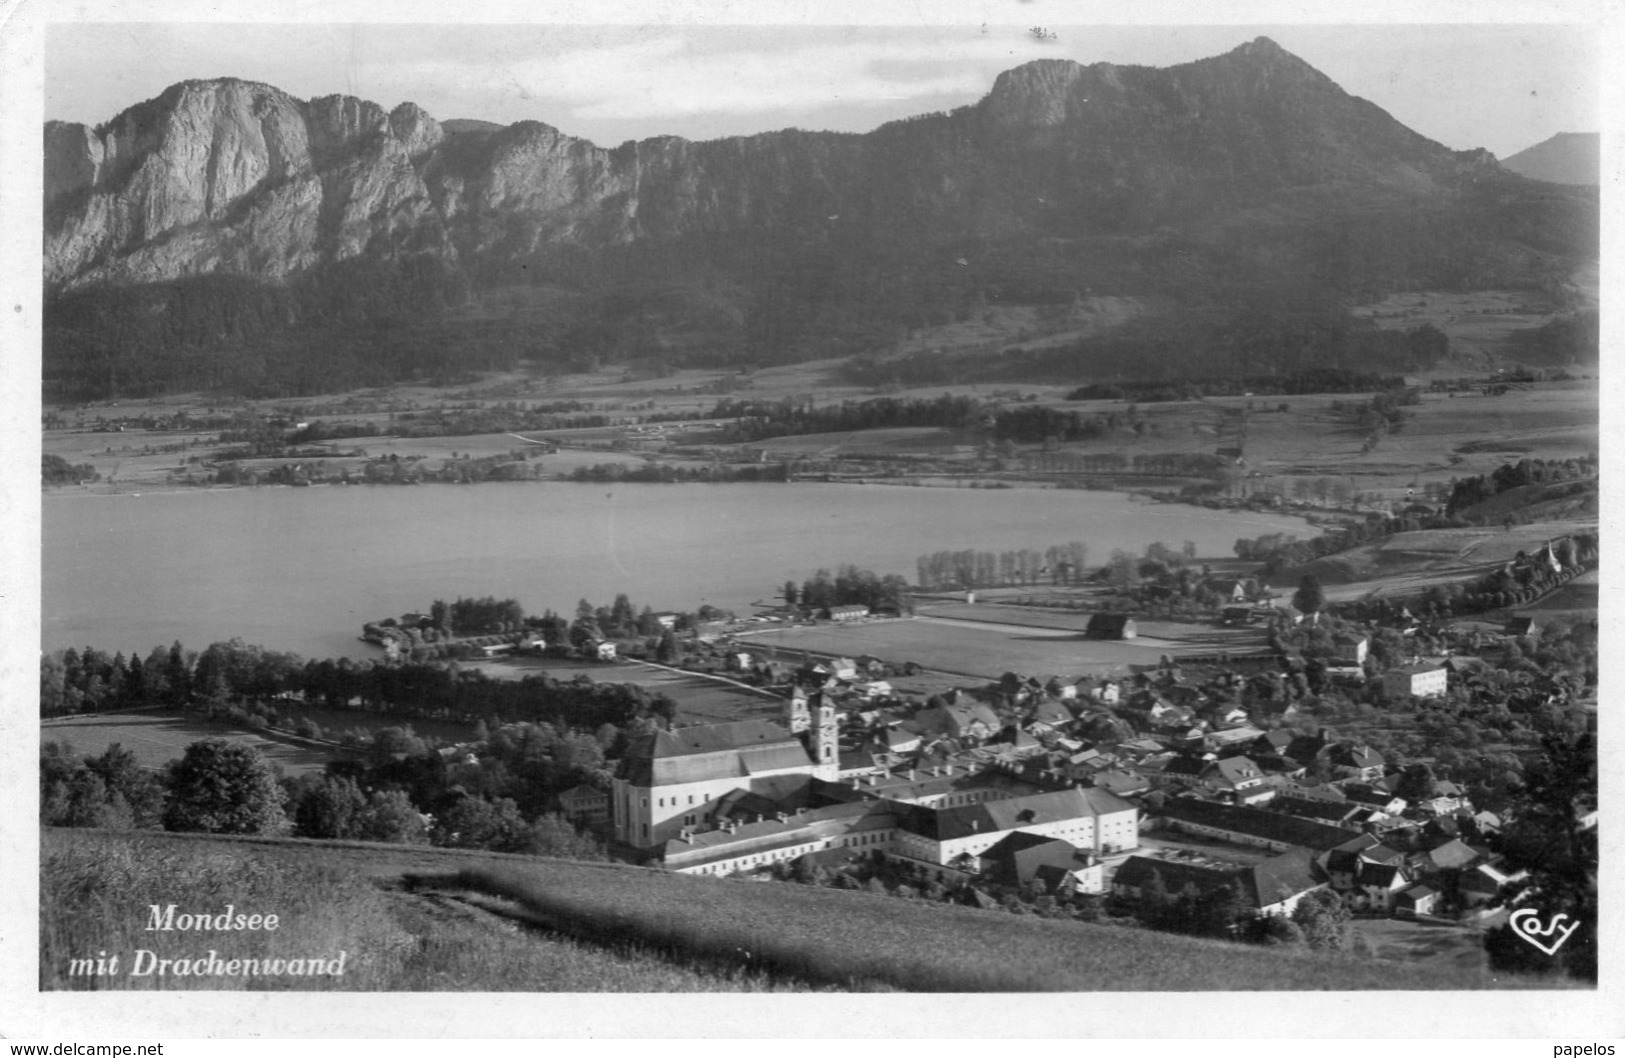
<point>861,940</point>
<point>418,918</point>
<point>967,645</point>
<point>158,738</point>
<point>96,890</point>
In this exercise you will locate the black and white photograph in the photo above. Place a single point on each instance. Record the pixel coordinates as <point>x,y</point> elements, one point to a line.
<point>1070,501</point>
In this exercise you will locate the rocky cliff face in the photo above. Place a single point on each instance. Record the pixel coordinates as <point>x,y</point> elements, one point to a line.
<point>232,176</point>
<point>237,177</point>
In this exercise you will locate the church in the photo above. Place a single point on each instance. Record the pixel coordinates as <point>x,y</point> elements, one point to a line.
<point>673,781</point>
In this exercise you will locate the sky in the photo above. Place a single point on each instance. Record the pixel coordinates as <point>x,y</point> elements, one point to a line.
<point>741,70</point>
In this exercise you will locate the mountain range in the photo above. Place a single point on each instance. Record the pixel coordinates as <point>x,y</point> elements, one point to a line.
<point>228,234</point>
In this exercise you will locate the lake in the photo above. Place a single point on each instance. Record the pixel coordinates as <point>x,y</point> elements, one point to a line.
<point>302,569</point>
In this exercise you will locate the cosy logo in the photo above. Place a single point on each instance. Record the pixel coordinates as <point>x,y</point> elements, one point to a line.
<point>1525,922</point>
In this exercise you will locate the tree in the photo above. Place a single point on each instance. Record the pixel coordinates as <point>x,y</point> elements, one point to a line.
<point>223,787</point>
<point>553,835</point>
<point>391,816</point>
<point>1310,596</point>
<point>790,593</point>
<point>126,780</point>
<point>329,807</point>
<point>1324,921</point>
<point>1550,839</point>
<point>475,823</point>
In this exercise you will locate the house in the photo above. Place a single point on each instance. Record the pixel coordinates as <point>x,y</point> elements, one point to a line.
<point>1416,900</point>
<point>959,717</point>
<point>1051,714</point>
<point>1139,876</point>
<point>848,613</point>
<point>1111,626</point>
<point>1374,798</point>
<point>1274,886</point>
<point>1379,884</point>
<point>494,650</point>
<point>1270,887</point>
<point>1481,884</point>
<point>1122,783</point>
<point>1350,761</point>
<point>1422,680</point>
<point>604,651</point>
<point>1521,626</point>
<point>1236,779</point>
<point>1245,825</point>
<point>1228,590</point>
<point>901,742</point>
<point>1320,809</point>
<point>1231,739</point>
<point>1349,651</point>
<point>1106,692</point>
<point>1021,857</point>
<point>585,804</point>
<point>665,618</point>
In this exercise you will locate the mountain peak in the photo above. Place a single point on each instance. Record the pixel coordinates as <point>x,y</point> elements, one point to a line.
<point>1566,158</point>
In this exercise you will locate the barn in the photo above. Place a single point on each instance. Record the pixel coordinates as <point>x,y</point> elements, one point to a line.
<point>1111,626</point>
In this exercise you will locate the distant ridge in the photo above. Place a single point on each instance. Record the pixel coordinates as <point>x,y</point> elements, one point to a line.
<point>1567,158</point>
<point>226,234</point>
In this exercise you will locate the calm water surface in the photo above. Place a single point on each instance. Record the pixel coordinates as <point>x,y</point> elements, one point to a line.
<point>302,569</point>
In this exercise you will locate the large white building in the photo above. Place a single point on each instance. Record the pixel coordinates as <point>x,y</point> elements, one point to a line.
<point>1087,817</point>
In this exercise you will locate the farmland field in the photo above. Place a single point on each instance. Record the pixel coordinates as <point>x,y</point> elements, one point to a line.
<point>700,700</point>
<point>988,650</point>
<point>156,739</point>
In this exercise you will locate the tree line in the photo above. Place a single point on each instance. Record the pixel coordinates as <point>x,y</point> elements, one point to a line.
<point>1291,383</point>
<point>668,473</point>
<point>851,586</point>
<point>501,796</point>
<point>1469,492</point>
<point>759,420</point>
<point>229,675</point>
<point>1057,564</point>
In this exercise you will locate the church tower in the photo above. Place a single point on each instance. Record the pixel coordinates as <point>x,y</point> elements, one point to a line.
<point>799,716</point>
<point>825,745</point>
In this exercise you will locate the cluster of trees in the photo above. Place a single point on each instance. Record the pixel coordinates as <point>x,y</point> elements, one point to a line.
<point>476,617</point>
<point>219,786</point>
<point>1383,412</point>
<point>1319,921</point>
<point>1521,581</point>
<point>1035,424</point>
<point>1057,564</point>
<point>1469,492</point>
<point>618,621</point>
<point>54,470</point>
<point>667,473</point>
<point>759,420</point>
<point>1305,380</point>
<point>851,586</point>
<point>229,675</point>
<point>1567,340</point>
<point>505,417</point>
<point>1278,551</point>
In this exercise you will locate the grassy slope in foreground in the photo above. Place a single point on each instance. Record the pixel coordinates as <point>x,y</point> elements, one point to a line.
<point>634,929</point>
<point>856,939</point>
<point>96,889</point>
